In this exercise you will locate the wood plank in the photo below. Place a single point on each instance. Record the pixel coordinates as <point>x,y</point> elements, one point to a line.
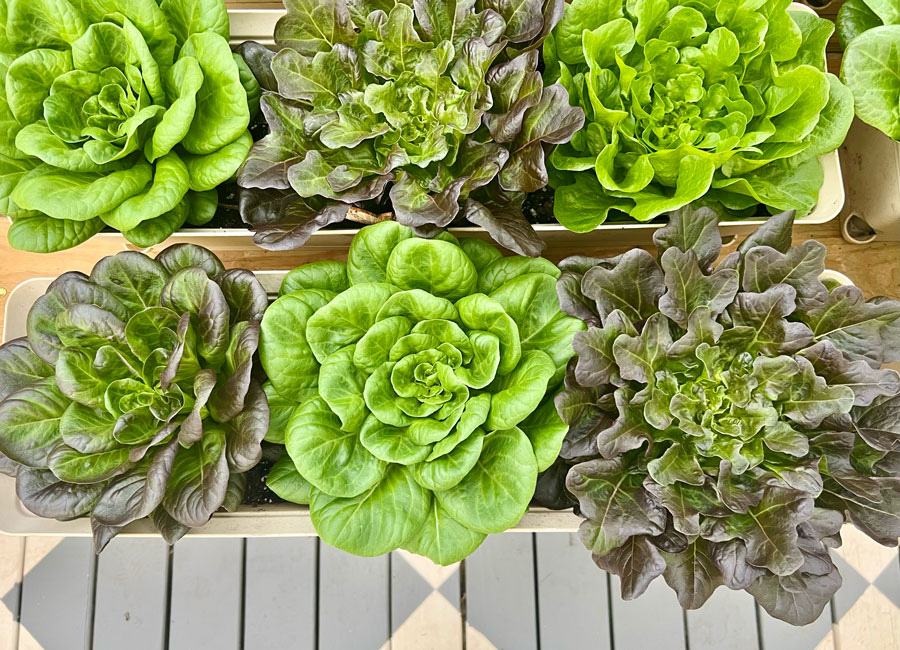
<point>653,620</point>
<point>354,597</point>
<point>501,611</point>
<point>425,600</point>
<point>280,593</point>
<point>56,595</point>
<point>727,621</point>
<point>130,604</point>
<point>207,588</point>
<point>12,560</point>
<point>571,588</point>
<point>778,635</point>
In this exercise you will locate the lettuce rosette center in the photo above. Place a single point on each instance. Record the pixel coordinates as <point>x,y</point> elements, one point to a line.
<point>413,390</point>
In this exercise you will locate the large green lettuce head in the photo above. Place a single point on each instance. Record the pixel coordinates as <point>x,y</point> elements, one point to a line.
<point>414,388</point>
<point>133,394</point>
<point>870,33</point>
<point>119,113</point>
<point>723,101</point>
<point>430,110</point>
<point>725,420</point>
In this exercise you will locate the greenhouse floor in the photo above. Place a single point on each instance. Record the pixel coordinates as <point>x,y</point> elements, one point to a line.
<point>519,591</point>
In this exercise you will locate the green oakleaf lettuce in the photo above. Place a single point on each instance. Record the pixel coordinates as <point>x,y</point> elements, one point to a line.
<point>126,114</point>
<point>870,33</point>
<point>724,420</point>
<point>133,394</point>
<point>720,101</point>
<point>422,375</point>
<point>436,107</point>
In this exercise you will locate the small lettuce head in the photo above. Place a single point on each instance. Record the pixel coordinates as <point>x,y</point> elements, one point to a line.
<point>132,394</point>
<point>718,101</point>
<point>436,107</point>
<point>415,390</point>
<point>725,420</point>
<point>126,114</point>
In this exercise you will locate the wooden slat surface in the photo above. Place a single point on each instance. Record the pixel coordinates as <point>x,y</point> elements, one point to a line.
<point>354,600</point>
<point>572,594</point>
<point>778,635</point>
<point>207,588</point>
<point>654,620</point>
<point>280,593</point>
<point>56,593</point>
<point>425,604</point>
<point>500,594</point>
<point>131,595</point>
<point>521,591</point>
<point>727,621</point>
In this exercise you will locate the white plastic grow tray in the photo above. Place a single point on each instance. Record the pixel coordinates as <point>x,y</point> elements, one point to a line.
<point>258,24</point>
<point>276,520</point>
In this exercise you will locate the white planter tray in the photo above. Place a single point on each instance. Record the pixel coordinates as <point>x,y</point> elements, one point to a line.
<point>276,520</point>
<point>256,24</point>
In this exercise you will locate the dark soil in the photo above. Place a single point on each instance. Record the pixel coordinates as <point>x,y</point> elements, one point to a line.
<point>258,493</point>
<point>538,206</point>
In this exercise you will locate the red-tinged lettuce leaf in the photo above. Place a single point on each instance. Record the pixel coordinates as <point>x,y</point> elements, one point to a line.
<point>765,314</point>
<point>572,301</point>
<point>769,530</point>
<point>136,493</point>
<point>637,563</point>
<point>688,288</point>
<point>168,528</point>
<point>596,364</point>
<point>866,382</point>
<point>693,574</point>
<point>633,286</point>
<point>506,224</point>
<point>47,496</point>
<point>857,328</point>
<point>798,598</point>
<point>198,481</point>
<point>799,267</point>
<point>696,230</point>
<point>775,233</point>
<point>615,504</point>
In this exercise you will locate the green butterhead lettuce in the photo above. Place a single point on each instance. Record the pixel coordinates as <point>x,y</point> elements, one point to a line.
<point>435,108</point>
<point>724,102</point>
<point>870,33</point>
<point>126,114</point>
<point>415,389</point>
<point>133,394</point>
<point>725,419</point>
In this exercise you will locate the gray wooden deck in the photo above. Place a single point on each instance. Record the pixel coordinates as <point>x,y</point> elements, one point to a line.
<point>517,592</point>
